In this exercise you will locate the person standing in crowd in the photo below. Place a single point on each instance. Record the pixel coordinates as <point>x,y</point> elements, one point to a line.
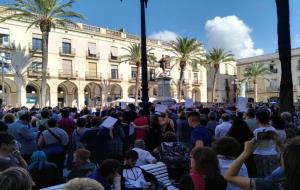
<point>242,133</point>
<point>82,166</point>
<point>205,173</point>
<point>183,131</point>
<point>78,133</point>
<point>83,184</point>
<point>15,178</point>
<point>9,155</point>
<point>23,133</point>
<point>265,154</point>
<point>290,162</point>
<point>68,125</point>
<point>279,124</point>
<point>118,136</point>
<point>223,128</point>
<point>166,124</point>
<point>154,136</point>
<point>250,119</point>
<point>128,117</point>
<point>44,118</point>
<point>228,149</point>
<point>108,174</point>
<point>53,141</point>
<point>145,156</point>
<point>141,126</point>
<point>200,135</point>
<point>97,141</point>
<point>43,173</point>
<point>212,122</point>
<point>9,118</point>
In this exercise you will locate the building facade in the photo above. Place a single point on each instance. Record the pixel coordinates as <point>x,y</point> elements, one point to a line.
<point>268,86</point>
<point>84,66</point>
<point>225,90</point>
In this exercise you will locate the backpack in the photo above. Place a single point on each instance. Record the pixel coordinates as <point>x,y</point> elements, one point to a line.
<point>173,153</point>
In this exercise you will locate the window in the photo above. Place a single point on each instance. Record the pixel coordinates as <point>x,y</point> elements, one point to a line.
<point>196,78</point>
<point>67,67</point>
<point>114,53</point>
<point>92,49</point>
<point>152,74</point>
<point>114,72</point>
<point>273,68</point>
<point>298,67</point>
<point>36,44</point>
<point>36,66</point>
<point>4,37</point>
<point>93,69</point>
<point>66,48</point>
<point>298,80</point>
<point>133,72</point>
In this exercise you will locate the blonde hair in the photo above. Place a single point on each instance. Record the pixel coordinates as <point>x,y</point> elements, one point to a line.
<point>83,184</point>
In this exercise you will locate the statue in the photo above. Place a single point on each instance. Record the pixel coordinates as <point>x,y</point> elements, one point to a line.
<point>162,64</point>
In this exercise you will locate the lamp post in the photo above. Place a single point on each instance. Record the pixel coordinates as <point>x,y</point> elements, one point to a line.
<point>145,95</point>
<point>3,60</point>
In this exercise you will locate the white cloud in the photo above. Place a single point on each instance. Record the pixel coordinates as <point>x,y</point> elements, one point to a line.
<point>165,35</point>
<point>232,34</point>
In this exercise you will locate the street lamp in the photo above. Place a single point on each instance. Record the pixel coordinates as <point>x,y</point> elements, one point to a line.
<point>145,95</point>
<point>3,61</point>
<point>235,84</point>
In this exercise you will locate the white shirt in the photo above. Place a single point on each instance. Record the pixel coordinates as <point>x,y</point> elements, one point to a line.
<point>224,166</point>
<point>266,147</point>
<point>145,157</point>
<point>222,129</point>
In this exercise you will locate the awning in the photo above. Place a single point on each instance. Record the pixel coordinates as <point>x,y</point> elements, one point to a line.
<point>114,51</point>
<point>92,48</point>
<point>4,31</point>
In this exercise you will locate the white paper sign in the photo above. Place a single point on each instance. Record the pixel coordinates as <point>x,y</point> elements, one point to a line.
<point>109,122</point>
<point>242,104</point>
<point>161,108</point>
<point>123,106</point>
<point>188,103</point>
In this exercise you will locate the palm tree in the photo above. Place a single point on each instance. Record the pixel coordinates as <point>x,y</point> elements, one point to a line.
<point>214,58</point>
<point>252,72</point>
<point>187,51</point>
<point>45,14</point>
<point>134,56</point>
<point>284,50</point>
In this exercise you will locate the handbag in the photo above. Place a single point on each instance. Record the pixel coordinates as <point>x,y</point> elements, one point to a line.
<point>54,148</point>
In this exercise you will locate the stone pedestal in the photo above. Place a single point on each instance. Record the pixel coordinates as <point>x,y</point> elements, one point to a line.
<point>164,87</point>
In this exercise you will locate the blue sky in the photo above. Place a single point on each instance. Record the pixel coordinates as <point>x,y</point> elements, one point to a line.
<point>189,18</point>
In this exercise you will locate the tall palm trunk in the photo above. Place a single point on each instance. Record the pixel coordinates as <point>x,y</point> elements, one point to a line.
<point>137,84</point>
<point>45,34</point>
<point>284,49</point>
<point>255,90</point>
<point>214,85</point>
<point>180,82</point>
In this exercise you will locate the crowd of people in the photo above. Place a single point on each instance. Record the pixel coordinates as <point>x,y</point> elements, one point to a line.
<point>203,148</point>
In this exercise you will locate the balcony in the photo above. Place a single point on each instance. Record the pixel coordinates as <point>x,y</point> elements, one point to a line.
<point>249,89</point>
<point>114,59</point>
<point>93,75</point>
<point>67,52</point>
<point>273,70</point>
<point>92,56</point>
<point>118,78</point>
<point>133,79</point>
<point>196,82</point>
<point>272,88</point>
<point>35,72</point>
<point>67,74</point>
<point>35,51</point>
<point>7,46</point>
